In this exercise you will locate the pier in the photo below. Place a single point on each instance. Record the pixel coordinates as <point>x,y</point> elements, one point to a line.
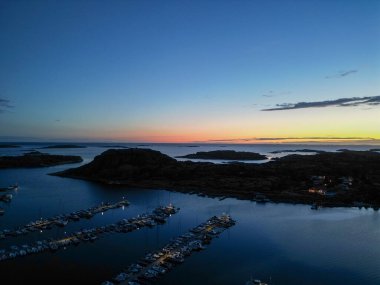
<point>158,216</point>
<point>61,220</point>
<point>156,264</point>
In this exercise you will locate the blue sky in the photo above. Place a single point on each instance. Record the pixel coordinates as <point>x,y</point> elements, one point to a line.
<point>186,70</point>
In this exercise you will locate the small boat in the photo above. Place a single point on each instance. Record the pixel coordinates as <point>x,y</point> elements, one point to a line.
<point>13,187</point>
<point>6,197</point>
<point>314,206</point>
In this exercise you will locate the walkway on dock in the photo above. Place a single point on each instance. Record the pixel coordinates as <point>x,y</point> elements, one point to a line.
<point>61,220</point>
<point>158,263</point>
<point>158,216</point>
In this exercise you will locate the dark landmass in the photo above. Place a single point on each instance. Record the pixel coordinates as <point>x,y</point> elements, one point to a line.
<point>225,155</point>
<point>8,146</point>
<point>374,149</point>
<point>299,150</point>
<point>286,179</point>
<point>63,146</point>
<point>113,146</point>
<point>37,159</point>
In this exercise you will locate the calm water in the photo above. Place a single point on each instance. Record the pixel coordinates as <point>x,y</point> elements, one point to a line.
<point>290,243</point>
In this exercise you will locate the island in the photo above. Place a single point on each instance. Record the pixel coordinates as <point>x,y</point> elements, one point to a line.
<point>63,146</point>
<point>374,149</point>
<point>37,159</point>
<point>8,146</point>
<point>225,155</point>
<point>349,178</point>
<point>298,150</point>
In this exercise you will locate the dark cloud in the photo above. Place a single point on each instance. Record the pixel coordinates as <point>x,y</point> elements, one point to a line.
<point>4,105</point>
<point>342,73</point>
<point>342,102</point>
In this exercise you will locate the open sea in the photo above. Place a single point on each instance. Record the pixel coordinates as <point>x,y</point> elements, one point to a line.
<point>289,244</point>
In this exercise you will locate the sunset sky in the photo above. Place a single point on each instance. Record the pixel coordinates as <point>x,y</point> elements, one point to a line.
<point>190,71</point>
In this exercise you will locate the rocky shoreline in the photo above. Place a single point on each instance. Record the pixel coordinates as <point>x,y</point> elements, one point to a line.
<point>290,179</point>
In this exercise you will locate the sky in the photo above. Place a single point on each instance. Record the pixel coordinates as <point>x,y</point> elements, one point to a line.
<point>190,71</point>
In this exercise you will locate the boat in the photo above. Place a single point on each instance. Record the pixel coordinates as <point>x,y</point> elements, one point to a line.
<point>13,187</point>
<point>6,197</point>
<point>314,206</point>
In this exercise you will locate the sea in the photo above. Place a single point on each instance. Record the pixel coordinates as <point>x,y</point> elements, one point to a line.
<point>282,244</point>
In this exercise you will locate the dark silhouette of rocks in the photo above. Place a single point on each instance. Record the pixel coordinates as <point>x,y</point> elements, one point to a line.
<point>37,159</point>
<point>8,146</point>
<point>225,155</point>
<point>298,150</point>
<point>285,179</point>
<point>63,146</point>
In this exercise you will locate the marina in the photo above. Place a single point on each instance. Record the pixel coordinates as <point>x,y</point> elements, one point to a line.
<point>158,216</point>
<point>61,220</point>
<point>156,264</point>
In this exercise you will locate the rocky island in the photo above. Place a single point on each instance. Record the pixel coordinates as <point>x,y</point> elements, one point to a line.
<point>63,146</point>
<point>8,146</point>
<point>298,150</point>
<point>37,159</point>
<point>225,155</point>
<point>329,179</point>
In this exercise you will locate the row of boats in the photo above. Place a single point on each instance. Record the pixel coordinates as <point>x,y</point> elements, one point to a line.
<point>61,220</point>
<point>158,216</point>
<point>156,264</point>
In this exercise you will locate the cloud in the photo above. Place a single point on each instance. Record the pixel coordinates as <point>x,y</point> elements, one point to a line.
<point>342,102</point>
<point>342,73</point>
<point>4,105</point>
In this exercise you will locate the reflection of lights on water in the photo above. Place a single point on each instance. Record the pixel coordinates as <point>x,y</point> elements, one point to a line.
<point>123,208</point>
<point>40,231</point>
<point>102,213</point>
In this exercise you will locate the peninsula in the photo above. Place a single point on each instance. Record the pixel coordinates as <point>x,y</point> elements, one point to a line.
<point>225,155</point>
<point>349,178</point>
<point>37,159</point>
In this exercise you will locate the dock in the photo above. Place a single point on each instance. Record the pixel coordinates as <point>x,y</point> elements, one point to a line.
<point>61,220</point>
<point>158,216</point>
<point>158,263</point>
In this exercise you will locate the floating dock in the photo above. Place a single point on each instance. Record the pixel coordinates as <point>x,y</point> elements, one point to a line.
<point>61,220</point>
<point>156,264</point>
<point>158,216</point>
